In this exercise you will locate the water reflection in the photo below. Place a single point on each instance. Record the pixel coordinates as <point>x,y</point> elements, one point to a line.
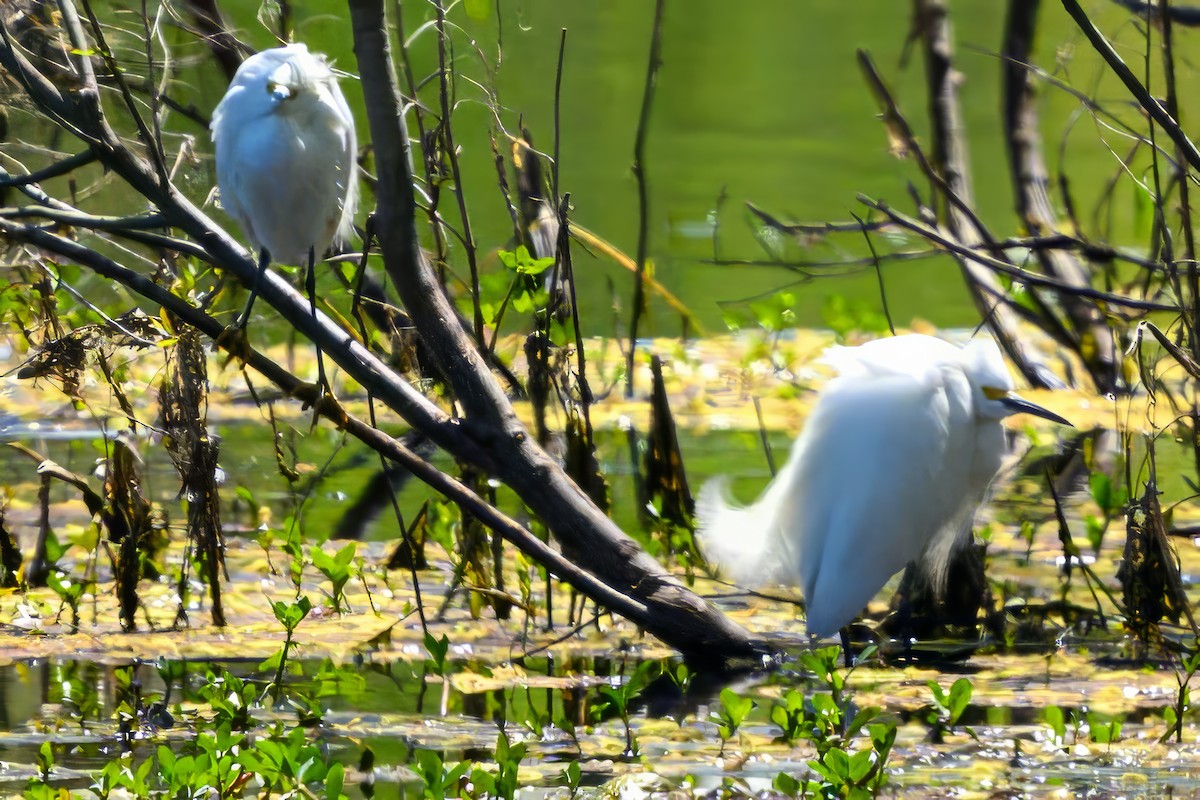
<point>396,712</point>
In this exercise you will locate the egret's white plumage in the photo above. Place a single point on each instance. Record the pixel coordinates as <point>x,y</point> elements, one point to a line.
<point>286,154</point>
<point>897,455</point>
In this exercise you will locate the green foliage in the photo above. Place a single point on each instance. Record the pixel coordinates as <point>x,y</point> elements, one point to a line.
<point>572,774</point>
<point>830,722</point>
<point>1111,498</point>
<point>437,647</point>
<point>618,696</point>
<point>791,715</point>
<point>844,316</point>
<point>772,315</point>
<point>508,757</point>
<point>947,706</point>
<point>70,591</point>
<point>1054,717</point>
<point>438,780</point>
<point>230,698</point>
<point>787,785</point>
<point>730,714</point>
<point>519,288</point>
<point>223,758</point>
<point>336,569</point>
<point>289,615</point>
<point>222,762</point>
<point>1104,728</point>
<point>1174,714</point>
<point>521,262</point>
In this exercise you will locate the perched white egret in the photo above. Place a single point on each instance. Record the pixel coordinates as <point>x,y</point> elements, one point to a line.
<point>893,462</point>
<point>286,153</point>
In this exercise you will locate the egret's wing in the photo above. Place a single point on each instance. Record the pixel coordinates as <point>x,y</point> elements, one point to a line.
<point>347,164</point>
<point>239,177</point>
<point>881,466</point>
<point>911,354</point>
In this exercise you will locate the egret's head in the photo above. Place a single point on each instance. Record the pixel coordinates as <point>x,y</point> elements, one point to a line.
<point>992,385</point>
<point>296,73</point>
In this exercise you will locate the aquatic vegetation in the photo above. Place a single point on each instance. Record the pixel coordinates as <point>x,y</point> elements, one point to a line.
<point>180,617</point>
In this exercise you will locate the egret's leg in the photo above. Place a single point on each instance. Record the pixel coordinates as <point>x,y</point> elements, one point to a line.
<point>264,258</point>
<point>847,649</point>
<point>310,286</point>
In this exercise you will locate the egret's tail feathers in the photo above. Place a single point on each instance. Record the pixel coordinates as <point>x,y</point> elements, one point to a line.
<point>934,562</point>
<point>738,539</point>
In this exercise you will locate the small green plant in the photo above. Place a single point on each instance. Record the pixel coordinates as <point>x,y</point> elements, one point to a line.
<point>1104,728</point>
<point>285,761</point>
<point>1173,715</point>
<point>508,763</point>
<point>289,615</point>
<point>830,722</point>
<point>572,775</point>
<point>1056,719</point>
<point>730,715</point>
<point>45,761</point>
<point>437,649</point>
<point>787,785</point>
<point>438,780</point>
<point>791,715</point>
<point>70,592</point>
<point>619,695</point>
<point>947,707</point>
<point>1111,499</point>
<point>230,698</point>
<point>337,571</point>
<point>523,293</point>
<point>119,776</point>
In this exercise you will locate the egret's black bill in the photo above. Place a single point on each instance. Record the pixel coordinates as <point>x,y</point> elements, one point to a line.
<point>1019,405</point>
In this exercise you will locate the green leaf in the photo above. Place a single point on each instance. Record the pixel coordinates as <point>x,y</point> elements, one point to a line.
<point>271,662</point>
<point>861,764</point>
<point>437,649</point>
<point>736,706</point>
<point>838,763</point>
<point>786,785</point>
<point>291,614</point>
<point>1057,722</point>
<point>960,698</point>
<point>883,736</point>
<point>572,773</point>
<point>346,554</point>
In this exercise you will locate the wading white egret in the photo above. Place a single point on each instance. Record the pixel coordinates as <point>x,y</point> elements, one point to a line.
<point>286,153</point>
<point>893,462</point>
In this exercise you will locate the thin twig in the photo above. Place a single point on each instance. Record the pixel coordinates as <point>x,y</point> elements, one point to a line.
<point>1135,87</point>
<point>558,73</point>
<point>639,174</point>
<point>879,276</point>
<point>451,150</point>
<point>1031,278</point>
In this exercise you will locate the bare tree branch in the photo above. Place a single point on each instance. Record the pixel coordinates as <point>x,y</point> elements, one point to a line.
<point>587,535</point>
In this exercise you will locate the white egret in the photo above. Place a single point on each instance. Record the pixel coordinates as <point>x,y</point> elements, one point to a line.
<point>893,462</point>
<point>286,159</point>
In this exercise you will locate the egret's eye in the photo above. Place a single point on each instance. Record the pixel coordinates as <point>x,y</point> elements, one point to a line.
<point>994,392</point>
